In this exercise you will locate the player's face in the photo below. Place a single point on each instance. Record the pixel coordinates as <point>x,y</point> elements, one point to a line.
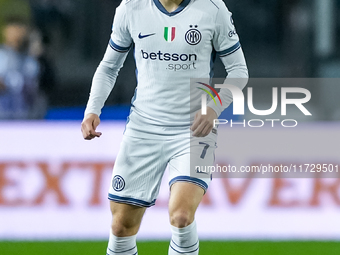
<point>16,35</point>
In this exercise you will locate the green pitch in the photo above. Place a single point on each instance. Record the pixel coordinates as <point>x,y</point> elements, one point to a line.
<point>160,248</point>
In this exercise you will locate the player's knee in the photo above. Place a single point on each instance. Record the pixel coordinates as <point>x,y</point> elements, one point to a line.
<point>181,219</point>
<point>123,227</point>
<point>120,230</point>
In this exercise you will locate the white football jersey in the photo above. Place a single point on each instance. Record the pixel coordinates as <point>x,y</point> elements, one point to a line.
<point>169,49</point>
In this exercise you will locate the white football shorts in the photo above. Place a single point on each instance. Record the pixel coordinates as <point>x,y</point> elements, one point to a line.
<point>140,165</point>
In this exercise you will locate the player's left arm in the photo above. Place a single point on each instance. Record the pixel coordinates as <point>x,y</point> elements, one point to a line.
<point>236,67</point>
<point>226,42</point>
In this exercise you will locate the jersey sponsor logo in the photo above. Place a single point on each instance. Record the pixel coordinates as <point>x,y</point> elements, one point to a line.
<point>168,56</point>
<point>140,36</point>
<point>193,36</point>
<point>176,58</point>
<point>118,183</point>
<point>169,33</point>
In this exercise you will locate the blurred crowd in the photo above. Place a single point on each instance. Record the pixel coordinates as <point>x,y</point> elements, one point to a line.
<point>20,96</point>
<point>27,76</point>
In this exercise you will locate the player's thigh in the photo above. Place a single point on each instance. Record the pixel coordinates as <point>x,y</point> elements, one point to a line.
<point>185,196</point>
<point>137,172</point>
<point>189,158</point>
<point>126,219</point>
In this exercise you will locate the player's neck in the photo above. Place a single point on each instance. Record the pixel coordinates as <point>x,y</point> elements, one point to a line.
<point>171,5</point>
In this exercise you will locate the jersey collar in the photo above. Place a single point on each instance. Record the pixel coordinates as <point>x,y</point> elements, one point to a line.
<point>178,10</point>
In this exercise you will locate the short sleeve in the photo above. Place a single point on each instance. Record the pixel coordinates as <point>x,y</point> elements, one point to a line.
<point>225,40</point>
<point>121,39</point>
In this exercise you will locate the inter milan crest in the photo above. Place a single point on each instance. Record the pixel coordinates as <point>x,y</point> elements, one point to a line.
<point>193,36</point>
<point>118,183</point>
<point>169,33</point>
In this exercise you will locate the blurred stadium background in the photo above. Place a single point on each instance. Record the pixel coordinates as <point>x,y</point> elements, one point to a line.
<point>53,184</point>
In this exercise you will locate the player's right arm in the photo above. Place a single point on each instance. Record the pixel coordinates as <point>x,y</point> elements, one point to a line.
<point>107,72</point>
<point>226,43</point>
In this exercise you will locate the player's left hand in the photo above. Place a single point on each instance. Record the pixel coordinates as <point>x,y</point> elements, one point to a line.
<point>203,124</point>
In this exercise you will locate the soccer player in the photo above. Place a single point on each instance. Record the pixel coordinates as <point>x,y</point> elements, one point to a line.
<point>19,73</point>
<point>173,41</point>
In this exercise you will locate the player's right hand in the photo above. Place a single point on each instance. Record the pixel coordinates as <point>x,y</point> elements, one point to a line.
<point>89,125</point>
